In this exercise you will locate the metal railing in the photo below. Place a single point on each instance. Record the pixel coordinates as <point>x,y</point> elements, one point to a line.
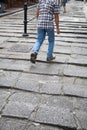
<point>25,20</point>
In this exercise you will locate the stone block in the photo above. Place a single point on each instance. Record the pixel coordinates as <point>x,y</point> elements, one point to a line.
<point>55,116</point>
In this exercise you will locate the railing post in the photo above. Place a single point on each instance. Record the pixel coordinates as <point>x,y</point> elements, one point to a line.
<point>25,20</point>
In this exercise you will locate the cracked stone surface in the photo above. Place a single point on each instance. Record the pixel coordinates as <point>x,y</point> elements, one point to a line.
<point>44,96</point>
<point>55,116</point>
<point>18,110</point>
<point>9,124</point>
<point>75,90</point>
<point>8,79</point>
<point>3,98</point>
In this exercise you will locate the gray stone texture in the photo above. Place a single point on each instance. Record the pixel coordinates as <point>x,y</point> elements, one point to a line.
<point>74,90</point>
<point>21,105</point>
<point>14,64</point>
<point>56,116</point>
<point>38,126</point>
<point>38,83</point>
<point>4,95</point>
<point>13,124</point>
<point>8,79</point>
<point>81,119</point>
<point>44,96</point>
<point>78,71</point>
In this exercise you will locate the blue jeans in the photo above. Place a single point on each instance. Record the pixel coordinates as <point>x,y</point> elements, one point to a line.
<point>41,33</point>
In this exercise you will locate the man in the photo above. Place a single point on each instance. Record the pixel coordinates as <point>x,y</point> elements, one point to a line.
<point>47,12</point>
<point>2,6</point>
<point>64,5</point>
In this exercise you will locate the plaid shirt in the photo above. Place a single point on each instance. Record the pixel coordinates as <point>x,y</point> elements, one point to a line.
<point>47,8</point>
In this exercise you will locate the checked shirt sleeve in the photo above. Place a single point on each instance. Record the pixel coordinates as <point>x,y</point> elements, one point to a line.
<point>56,7</point>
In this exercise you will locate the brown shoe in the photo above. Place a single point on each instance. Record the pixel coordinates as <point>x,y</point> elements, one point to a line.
<point>50,58</point>
<point>33,57</point>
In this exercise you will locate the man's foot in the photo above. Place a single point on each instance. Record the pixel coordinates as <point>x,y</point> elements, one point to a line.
<point>33,57</point>
<point>64,11</point>
<point>50,58</point>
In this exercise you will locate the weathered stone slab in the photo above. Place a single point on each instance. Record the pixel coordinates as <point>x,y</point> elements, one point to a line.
<point>12,124</point>
<point>20,48</point>
<point>81,104</point>
<point>72,35</point>
<point>39,78</point>
<point>50,88</point>
<point>8,79</point>
<point>71,40</point>
<point>30,40</point>
<point>3,98</point>
<point>57,101</point>
<point>27,84</point>
<point>62,43</point>
<point>75,90</point>
<point>69,80</point>
<point>81,60</point>
<point>55,116</point>
<point>81,81</point>
<point>62,49</point>
<point>81,51</point>
<point>4,63</point>
<point>13,39</point>
<point>72,19</point>
<point>78,71</point>
<point>17,124</point>
<point>14,64</point>
<point>4,46</point>
<point>33,82</point>
<point>50,69</point>
<point>22,97</point>
<point>76,32</point>
<point>14,30</point>
<point>3,39</point>
<point>14,55</point>
<point>18,109</point>
<point>58,49</point>
<point>10,34</point>
<point>55,108</point>
<point>38,126</point>
<point>21,105</point>
<point>80,44</point>
<point>74,81</point>
<point>81,119</point>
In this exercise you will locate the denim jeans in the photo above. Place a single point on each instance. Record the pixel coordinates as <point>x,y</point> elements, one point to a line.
<point>41,33</point>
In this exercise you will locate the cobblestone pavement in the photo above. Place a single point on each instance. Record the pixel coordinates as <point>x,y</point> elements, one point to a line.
<point>44,96</point>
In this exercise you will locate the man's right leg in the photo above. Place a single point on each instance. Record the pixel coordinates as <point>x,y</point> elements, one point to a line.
<point>41,33</point>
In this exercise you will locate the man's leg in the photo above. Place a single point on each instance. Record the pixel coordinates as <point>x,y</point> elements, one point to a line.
<point>50,33</point>
<point>40,38</point>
